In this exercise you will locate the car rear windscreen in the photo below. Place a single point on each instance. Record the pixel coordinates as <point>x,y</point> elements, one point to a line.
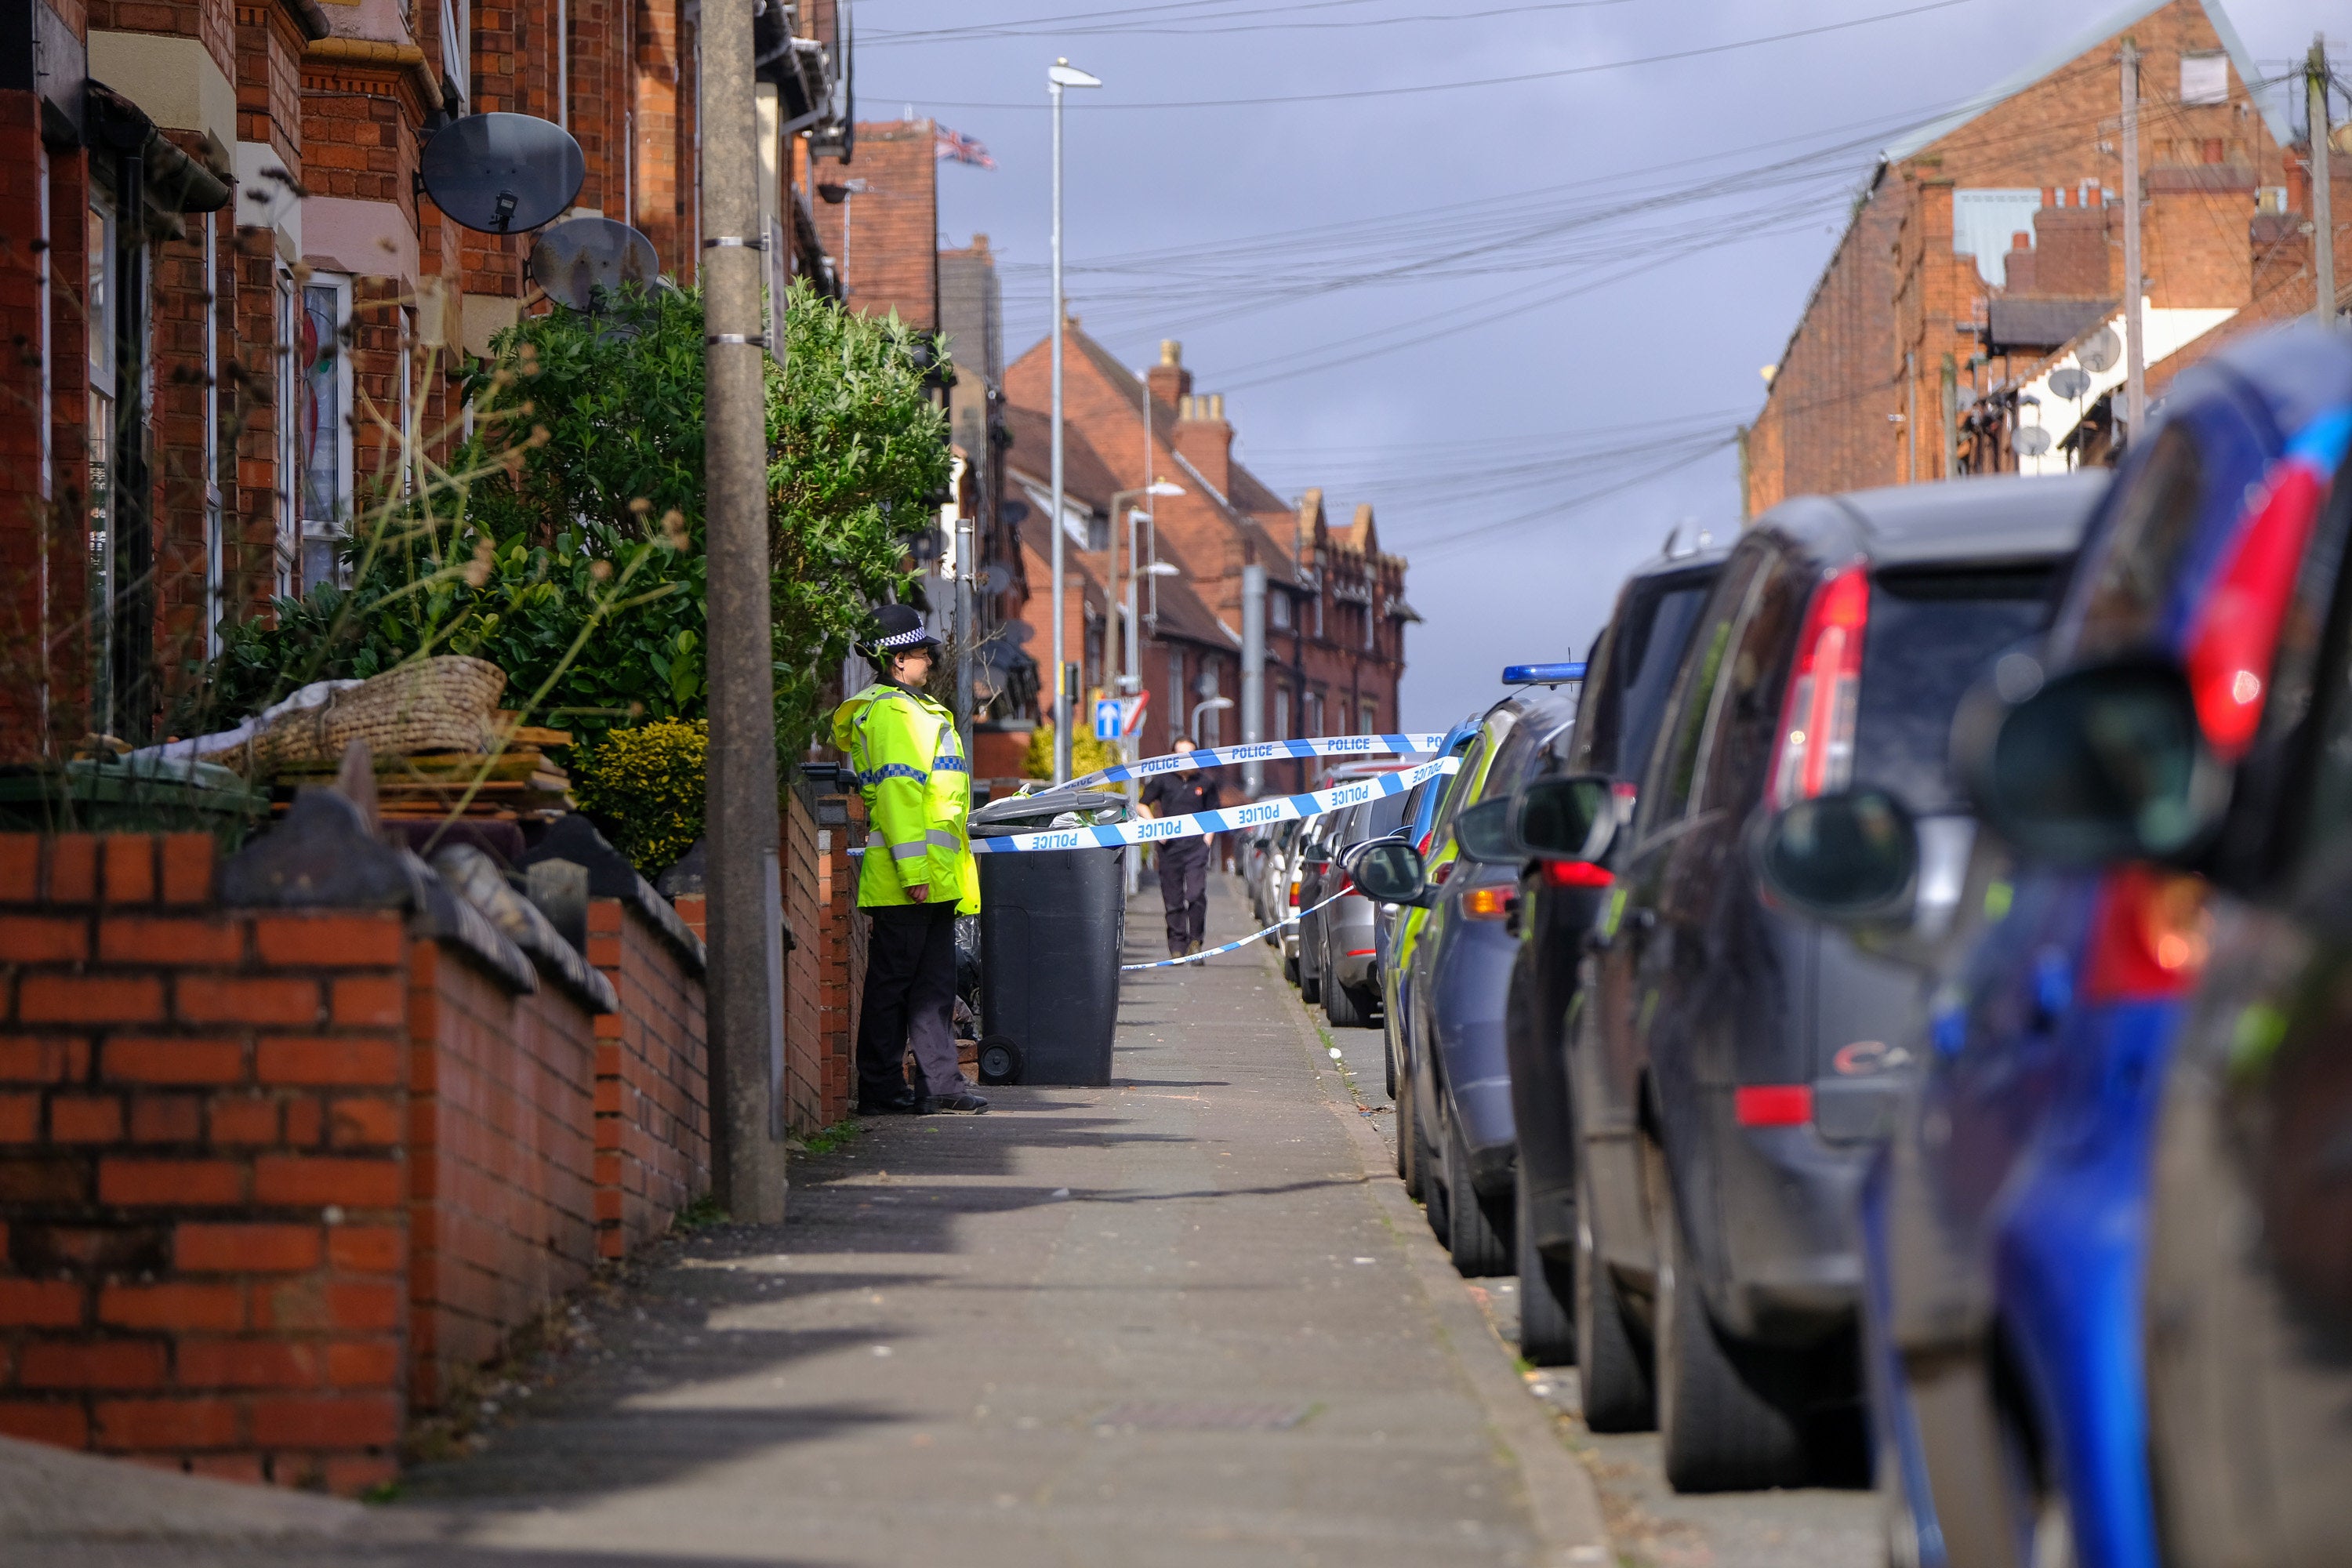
<point>1932,633</point>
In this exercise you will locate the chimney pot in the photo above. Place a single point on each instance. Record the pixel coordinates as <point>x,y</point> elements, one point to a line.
<point>1171,351</point>
<point>1216,406</point>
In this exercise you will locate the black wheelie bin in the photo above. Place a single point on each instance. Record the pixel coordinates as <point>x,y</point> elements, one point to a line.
<point>1051,926</point>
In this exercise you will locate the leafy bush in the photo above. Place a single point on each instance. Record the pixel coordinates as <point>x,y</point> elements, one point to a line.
<point>562,540</point>
<point>646,784</point>
<point>1086,754</point>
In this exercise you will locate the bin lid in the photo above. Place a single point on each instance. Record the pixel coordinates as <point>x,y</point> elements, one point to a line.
<point>1029,813</point>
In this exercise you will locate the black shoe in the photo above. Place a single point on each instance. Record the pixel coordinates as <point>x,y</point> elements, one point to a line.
<point>962,1102</point>
<point>905,1106</point>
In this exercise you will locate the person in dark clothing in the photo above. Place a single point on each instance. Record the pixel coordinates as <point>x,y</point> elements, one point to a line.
<point>1183,862</point>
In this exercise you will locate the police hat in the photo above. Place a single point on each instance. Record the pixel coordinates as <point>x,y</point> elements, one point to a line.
<point>902,630</point>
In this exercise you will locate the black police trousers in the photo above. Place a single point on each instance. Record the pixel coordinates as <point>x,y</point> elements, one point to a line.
<point>1184,891</point>
<point>909,999</point>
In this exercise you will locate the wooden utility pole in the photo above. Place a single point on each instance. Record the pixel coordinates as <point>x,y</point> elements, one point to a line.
<point>746,949</point>
<point>2323,215</point>
<point>2135,343</point>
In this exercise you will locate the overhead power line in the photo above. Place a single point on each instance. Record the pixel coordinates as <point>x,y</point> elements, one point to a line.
<point>1555,75</point>
<point>1133,24</point>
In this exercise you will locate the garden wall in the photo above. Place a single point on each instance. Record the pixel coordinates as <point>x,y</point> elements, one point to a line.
<point>290,1144</point>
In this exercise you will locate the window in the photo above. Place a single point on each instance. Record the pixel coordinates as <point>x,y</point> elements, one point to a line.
<point>289,404</point>
<point>1318,609</point>
<point>1368,628</point>
<point>1277,610</point>
<point>1311,718</point>
<point>1678,763</point>
<point>325,407</point>
<point>1281,695</point>
<point>1370,713</point>
<point>103,292</point>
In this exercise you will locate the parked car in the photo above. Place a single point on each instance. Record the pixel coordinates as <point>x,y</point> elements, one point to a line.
<point>2094,1324</point>
<point>1392,923</point>
<point>1729,1077</point>
<point>1627,677</point>
<point>1453,1078</point>
<point>1266,896</point>
<point>1345,932</point>
<point>1320,879</point>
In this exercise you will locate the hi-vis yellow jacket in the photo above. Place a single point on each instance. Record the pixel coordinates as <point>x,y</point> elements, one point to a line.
<point>918,787</point>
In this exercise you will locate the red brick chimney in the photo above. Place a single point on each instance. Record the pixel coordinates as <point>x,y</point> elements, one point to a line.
<point>2020,263</point>
<point>1169,380</point>
<point>1204,438</point>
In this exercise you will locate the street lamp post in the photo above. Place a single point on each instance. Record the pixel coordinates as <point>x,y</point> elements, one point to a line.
<point>1061,75</point>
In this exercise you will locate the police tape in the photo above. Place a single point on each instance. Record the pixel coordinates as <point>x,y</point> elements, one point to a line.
<point>1225,819</point>
<point>1262,752</point>
<point>1240,943</point>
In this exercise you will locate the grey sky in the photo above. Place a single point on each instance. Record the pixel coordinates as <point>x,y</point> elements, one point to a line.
<point>1547,327</point>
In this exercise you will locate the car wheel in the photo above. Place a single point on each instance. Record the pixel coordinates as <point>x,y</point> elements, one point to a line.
<point>1342,1006</point>
<point>1608,1366</point>
<point>1000,1060</point>
<point>1726,1411</point>
<point>1310,987</point>
<point>1290,970</point>
<point>1546,1332</point>
<point>1476,1245</point>
<point>1388,1066</point>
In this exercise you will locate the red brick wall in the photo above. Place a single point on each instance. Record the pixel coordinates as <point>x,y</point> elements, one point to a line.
<point>826,972</point>
<point>653,1100</point>
<point>201,1166</point>
<point>501,1140</point>
<point>894,255</point>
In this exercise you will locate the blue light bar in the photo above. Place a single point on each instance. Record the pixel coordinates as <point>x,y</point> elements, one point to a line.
<point>1541,674</point>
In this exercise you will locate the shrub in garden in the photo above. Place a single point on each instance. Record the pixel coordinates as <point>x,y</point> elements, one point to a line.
<point>1086,754</point>
<point>562,539</point>
<point>645,784</point>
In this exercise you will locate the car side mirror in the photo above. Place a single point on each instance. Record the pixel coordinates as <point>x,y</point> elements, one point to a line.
<point>2099,764</point>
<point>1572,818</point>
<point>1389,871</point>
<point>1845,859</point>
<point>1484,833</point>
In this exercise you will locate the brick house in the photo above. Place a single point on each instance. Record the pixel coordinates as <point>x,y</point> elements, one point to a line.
<point>1335,603</point>
<point>1990,238</point>
<point>226,289</point>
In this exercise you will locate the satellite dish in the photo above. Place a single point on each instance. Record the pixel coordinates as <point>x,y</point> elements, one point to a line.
<point>1017,633</point>
<point>2098,352</point>
<point>2070,381</point>
<point>583,260</point>
<point>501,174</point>
<point>2029,440</point>
<point>995,578</point>
<point>1014,511</point>
<point>926,545</point>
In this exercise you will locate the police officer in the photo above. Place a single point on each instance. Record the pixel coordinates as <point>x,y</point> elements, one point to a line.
<point>1183,862</point>
<point>918,874</point>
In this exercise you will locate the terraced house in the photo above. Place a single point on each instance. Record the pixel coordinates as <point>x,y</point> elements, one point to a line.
<point>226,292</point>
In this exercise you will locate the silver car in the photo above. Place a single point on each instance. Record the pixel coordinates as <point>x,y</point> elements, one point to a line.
<point>1344,930</point>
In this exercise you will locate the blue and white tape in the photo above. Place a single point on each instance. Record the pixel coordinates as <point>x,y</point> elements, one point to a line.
<point>1263,751</point>
<point>1226,819</point>
<point>1238,942</point>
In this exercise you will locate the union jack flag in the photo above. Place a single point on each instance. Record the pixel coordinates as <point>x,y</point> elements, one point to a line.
<point>962,149</point>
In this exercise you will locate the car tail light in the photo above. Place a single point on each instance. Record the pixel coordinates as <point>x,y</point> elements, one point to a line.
<point>1294,893</point>
<point>2229,643</point>
<point>1575,874</point>
<point>1439,872</point>
<point>1772,1104</point>
<point>1486,903</point>
<point>2149,940</point>
<point>1817,716</point>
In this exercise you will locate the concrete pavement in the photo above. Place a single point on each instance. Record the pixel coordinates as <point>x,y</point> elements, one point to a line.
<point>1185,1318</point>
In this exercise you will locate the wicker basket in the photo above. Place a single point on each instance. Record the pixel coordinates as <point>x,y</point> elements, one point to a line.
<point>441,704</point>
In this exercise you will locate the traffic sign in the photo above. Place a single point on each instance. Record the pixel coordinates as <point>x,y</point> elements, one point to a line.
<point>1108,719</point>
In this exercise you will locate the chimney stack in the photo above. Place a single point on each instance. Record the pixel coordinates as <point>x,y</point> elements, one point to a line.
<point>1204,438</point>
<point>1169,380</point>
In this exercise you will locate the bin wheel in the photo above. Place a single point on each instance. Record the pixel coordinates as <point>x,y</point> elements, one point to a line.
<point>1000,1060</point>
